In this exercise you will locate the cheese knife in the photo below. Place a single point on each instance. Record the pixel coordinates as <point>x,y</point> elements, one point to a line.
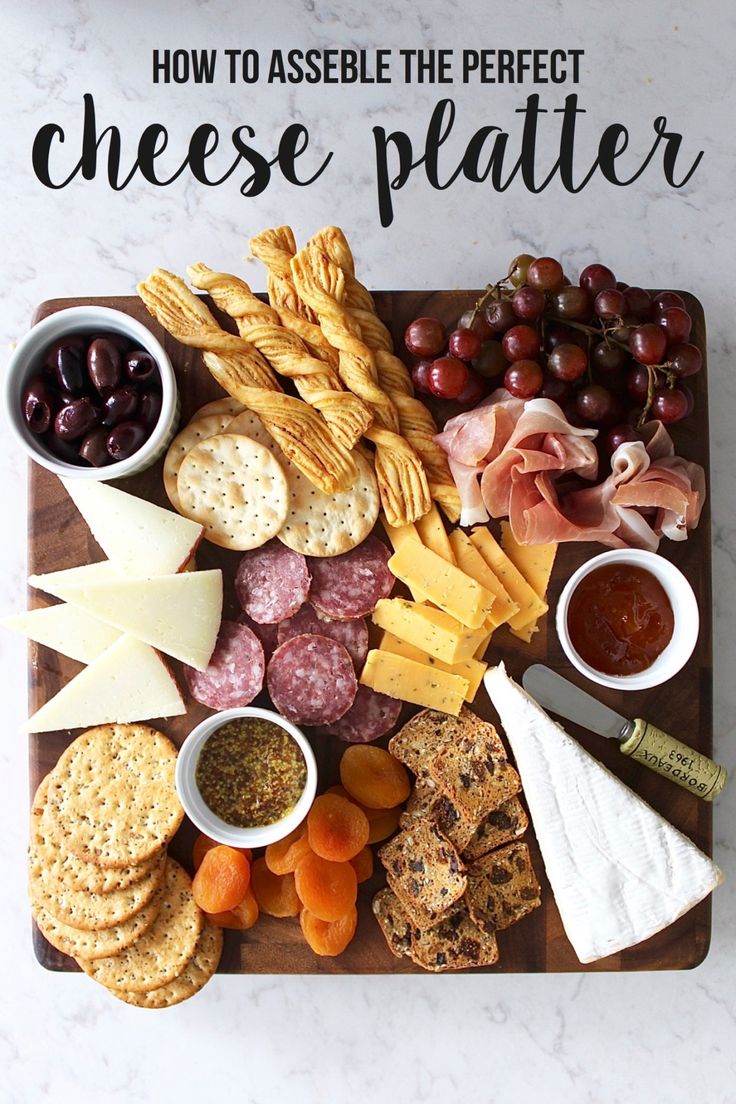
<point>641,740</point>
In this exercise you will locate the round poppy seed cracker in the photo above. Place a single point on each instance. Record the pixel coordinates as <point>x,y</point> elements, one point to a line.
<point>199,429</point>
<point>234,487</point>
<point>225,405</point>
<point>164,950</point>
<point>318,524</point>
<point>193,977</point>
<point>63,869</point>
<point>97,944</point>
<point>250,425</point>
<point>113,797</point>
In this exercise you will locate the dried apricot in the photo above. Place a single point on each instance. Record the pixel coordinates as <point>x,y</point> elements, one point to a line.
<point>328,937</point>
<point>362,864</point>
<point>282,856</point>
<point>328,889</point>
<point>275,893</point>
<point>203,844</point>
<point>336,828</point>
<point>384,824</point>
<point>373,777</point>
<point>222,879</point>
<point>242,917</point>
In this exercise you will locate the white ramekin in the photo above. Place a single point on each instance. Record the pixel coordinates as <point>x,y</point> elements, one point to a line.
<point>684,607</point>
<point>200,813</point>
<point>26,361</point>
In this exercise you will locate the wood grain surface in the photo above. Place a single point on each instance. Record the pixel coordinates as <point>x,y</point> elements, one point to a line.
<point>58,538</point>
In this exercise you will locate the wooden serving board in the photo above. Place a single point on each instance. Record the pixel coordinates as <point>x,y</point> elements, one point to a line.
<point>58,538</point>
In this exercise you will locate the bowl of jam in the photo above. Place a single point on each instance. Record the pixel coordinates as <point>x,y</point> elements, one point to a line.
<point>628,619</point>
<point>246,777</point>
<point>91,393</point>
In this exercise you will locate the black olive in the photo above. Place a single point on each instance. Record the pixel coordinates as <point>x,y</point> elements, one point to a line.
<point>93,448</point>
<point>76,419</point>
<point>39,404</point>
<point>140,366</point>
<point>104,365</point>
<point>120,405</point>
<point>125,439</point>
<point>150,407</point>
<point>69,368</point>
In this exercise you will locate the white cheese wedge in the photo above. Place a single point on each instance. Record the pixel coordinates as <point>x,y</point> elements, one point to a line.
<point>178,614</point>
<point>128,682</point>
<point>619,871</point>
<point>141,538</point>
<point>54,581</point>
<point>66,629</point>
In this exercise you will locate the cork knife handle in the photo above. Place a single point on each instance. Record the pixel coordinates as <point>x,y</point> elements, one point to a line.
<point>674,760</point>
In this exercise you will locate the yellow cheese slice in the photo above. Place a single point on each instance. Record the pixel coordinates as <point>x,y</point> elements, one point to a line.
<point>433,534</point>
<point>431,630</point>
<point>66,629</point>
<point>470,669</point>
<point>127,682</point>
<point>178,614</point>
<point>414,682</point>
<point>483,646</point>
<point>534,561</point>
<point>442,584</point>
<point>530,605</point>
<point>398,535</point>
<point>472,563</point>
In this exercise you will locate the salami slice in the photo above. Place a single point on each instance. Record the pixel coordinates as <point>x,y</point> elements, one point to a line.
<point>370,716</point>
<point>350,585</point>
<point>235,672</point>
<point>311,680</point>
<point>272,582</point>
<point>353,635</point>
<point>267,634</point>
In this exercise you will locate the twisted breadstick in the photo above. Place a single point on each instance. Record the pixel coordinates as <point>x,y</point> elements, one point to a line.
<point>415,421</point>
<point>347,417</point>
<point>235,364</point>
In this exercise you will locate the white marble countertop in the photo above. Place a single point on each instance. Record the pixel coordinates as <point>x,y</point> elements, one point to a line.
<point>665,1037</point>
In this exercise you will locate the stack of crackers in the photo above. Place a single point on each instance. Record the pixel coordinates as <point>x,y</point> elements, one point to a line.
<point>103,889</point>
<point>225,471</point>
<point>457,872</point>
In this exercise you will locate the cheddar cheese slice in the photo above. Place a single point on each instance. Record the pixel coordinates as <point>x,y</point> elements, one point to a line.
<point>472,563</point>
<point>398,535</point>
<point>413,682</point>
<point>531,606</point>
<point>430,630</point>
<point>442,584</point>
<point>470,669</point>
<point>534,561</point>
<point>433,535</point>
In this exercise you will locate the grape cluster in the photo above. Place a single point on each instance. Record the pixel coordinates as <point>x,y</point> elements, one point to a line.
<point>610,354</point>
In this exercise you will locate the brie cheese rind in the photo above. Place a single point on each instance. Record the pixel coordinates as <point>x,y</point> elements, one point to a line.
<point>619,871</point>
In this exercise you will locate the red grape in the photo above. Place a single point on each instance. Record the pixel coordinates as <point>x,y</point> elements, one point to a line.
<point>648,343</point>
<point>685,360</point>
<point>609,303</point>
<point>670,404</point>
<point>557,334</point>
<point>475,321</point>
<point>572,303</point>
<point>594,403</point>
<point>609,358</point>
<point>420,376</point>
<point>425,337</point>
<point>638,303</point>
<point>619,435</point>
<point>567,362</point>
<point>520,343</point>
<point>622,333</point>
<point>500,316</point>
<point>523,379</point>
<point>677,324</point>
<point>596,277</point>
<point>546,274</point>
<point>637,384</point>
<point>464,344</point>
<point>666,299</point>
<point>519,268</point>
<point>447,377</point>
<point>473,391</point>
<point>491,361</point>
<point>556,389</point>
<point>528,303</point>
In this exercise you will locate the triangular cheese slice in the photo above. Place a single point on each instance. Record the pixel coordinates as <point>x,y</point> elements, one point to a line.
<point>141,538</point>
<point>128,682</point>
<point>178,614</point>
<point>619,871</point>
<point>54,582</point>
<point>66,629</point>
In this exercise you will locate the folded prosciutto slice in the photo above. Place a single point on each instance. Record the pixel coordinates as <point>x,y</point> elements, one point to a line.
<point>508,458</point>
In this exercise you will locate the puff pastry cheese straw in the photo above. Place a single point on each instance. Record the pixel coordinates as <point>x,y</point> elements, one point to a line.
<point>346,415</point>
<point>240,369</point>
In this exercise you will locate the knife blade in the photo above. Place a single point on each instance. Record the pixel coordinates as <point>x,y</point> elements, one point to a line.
<point>639,739</point>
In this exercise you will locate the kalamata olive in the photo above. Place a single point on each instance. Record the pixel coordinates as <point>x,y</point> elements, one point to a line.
<point>78,342</point>
<point>125,439</point>
<point>76,419</point>
<point>140,366</point>
<point>39,403</point>
<point>104,364</point>
<point>120,405</point>
<point>120,341</point>
<point>69,369</point>
<point>62,450</point>
<point>149,407</point>
<point>93,448</point>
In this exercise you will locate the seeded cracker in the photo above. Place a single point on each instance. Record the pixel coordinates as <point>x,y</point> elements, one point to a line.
<point>424,871</point>
<point>502,888</point>
<point>236,489</point>
<point>425,735</point>
<point>112,794</point>
<point>97,944</point>
<point>193,977</point>
<point>456,943</point>
<point>504,824</point>
<point>474,771</point>
<point>201,427</point>
<point>393,922</point>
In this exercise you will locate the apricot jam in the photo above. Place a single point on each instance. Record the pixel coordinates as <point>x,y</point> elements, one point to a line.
<point>620,619</point>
